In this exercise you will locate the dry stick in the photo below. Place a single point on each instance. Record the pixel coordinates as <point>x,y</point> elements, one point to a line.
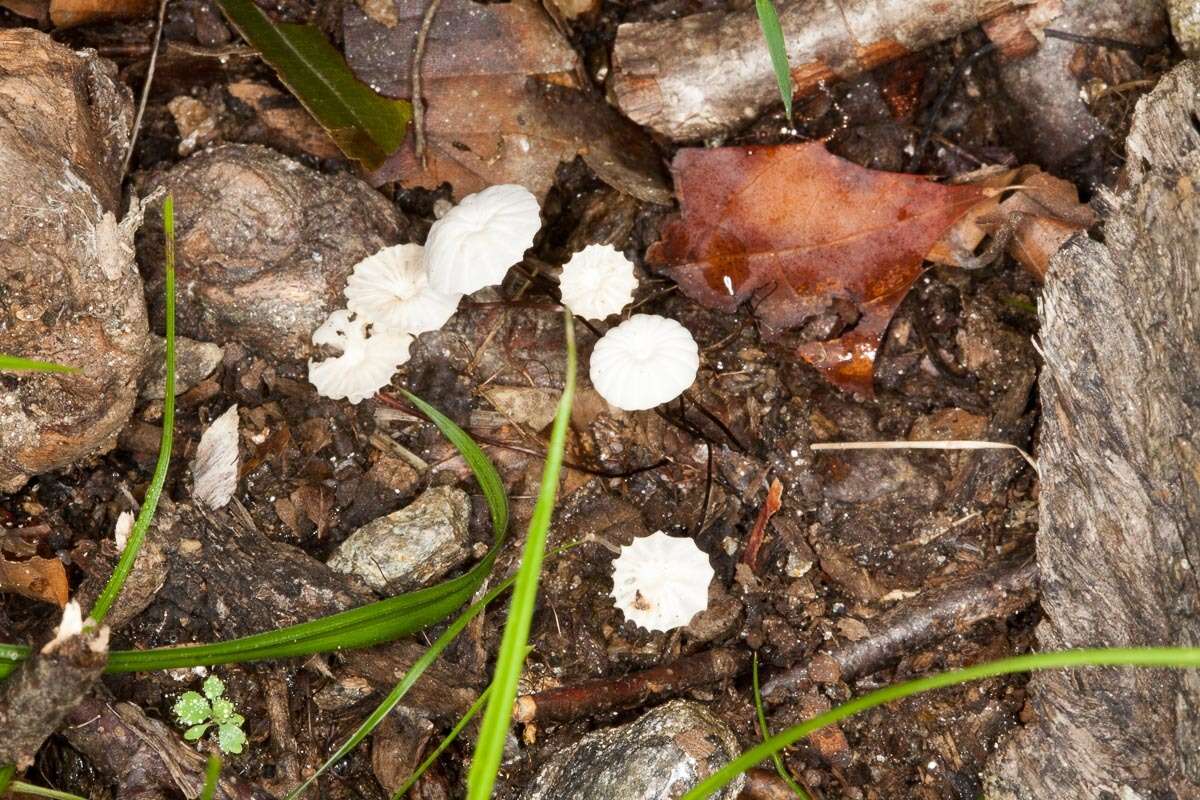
<point>137,120</point>
<point>630,691</point>
<point>995,593</point>
<point>417,103</point>
<point>938,444</point>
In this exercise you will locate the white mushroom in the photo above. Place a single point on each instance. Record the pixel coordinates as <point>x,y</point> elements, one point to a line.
<point>660,582</point>
<point>643,362</point>
<point>597,281</point>
<point>368,359</point>
<point>391,289</point>
<point>479,239</point>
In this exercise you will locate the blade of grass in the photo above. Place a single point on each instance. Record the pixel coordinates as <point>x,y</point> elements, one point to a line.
<point>765,732</point>
<point>212,774</point>
<point>366,126</point>
<point>442,745</point>
<point>497,718</point>
<point>15,364</point>
<point>146,514</point>
<point>773,33</point>
<point>41,791</point>
<point>1165,657</point>
<point>6,775</point>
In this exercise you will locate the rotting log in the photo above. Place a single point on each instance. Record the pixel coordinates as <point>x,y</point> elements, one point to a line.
<point>709,73</point>
<point>1120,493</point>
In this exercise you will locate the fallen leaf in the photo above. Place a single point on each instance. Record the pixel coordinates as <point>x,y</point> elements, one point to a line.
<point>770,507</point>
<point>1035,219</point>
<point>69,13</point>
<point>366,126</point>
<point>287,125</point>
<point>35,578</point>
<point>215,466</point>
<point>795,229</point>
<point>502,101</point>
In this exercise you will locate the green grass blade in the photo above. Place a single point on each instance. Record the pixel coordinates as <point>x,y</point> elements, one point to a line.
<point>15,364</point>
<point>212,774</point>
<point>498,716</point>
<point>1165,657</point>
<point>765,732</point>
<point>146,515</point>
<point>20,787</point>
<point>446,742</point>
<point>366,126</point>
<point>410,677</point>
<point>773,33</point>
<point>6,775</point>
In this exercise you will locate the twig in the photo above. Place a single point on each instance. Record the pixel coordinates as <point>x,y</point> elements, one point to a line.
<point>630,691</point>
<point>137,120</point>
<point>942,444</point>
<point>935,111</point>
<point>1098,41</point>
<point>995,593</point>
<point>417,103</point>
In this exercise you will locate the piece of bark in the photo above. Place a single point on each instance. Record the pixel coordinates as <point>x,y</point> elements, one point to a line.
<point>1046,85</point>
<point>715,74</point>
<point>43,689</point>
<point>71,290</point>
<point>1119,533</point>
<point>994,593</point>
<point>144,757</point>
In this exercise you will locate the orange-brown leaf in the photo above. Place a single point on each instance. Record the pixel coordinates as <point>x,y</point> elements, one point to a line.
<point>793,229</point>
<point>36,578</point>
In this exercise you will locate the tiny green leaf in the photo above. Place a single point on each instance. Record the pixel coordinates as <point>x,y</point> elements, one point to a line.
<point>192,708</point>
<point>235,719</point>
<point>773,33</point>
<point>213,687</point>
<point>230,739</point>
<point>222,710</point>
<point>195,732</point>
<point>366,126</point>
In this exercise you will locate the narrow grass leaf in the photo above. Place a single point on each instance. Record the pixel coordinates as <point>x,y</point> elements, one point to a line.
<point>15,364</point>
<point>768,18</point>
<point>1163,657</point>
<point>20,787</point>
<point>765,732</point>
<point>511,658</point>
<point>146,515</point>
<point>366,126</point>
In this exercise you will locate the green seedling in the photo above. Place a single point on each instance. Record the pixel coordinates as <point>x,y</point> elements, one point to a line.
<point>211,709</point>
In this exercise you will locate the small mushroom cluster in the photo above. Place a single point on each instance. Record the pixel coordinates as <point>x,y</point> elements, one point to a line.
<point>406,290</point>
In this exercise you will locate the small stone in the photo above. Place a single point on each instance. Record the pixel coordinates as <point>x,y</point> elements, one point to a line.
<point>411,547</point>
<point>1185,25</point>
<point>661,755</point>
<point>194,361</point>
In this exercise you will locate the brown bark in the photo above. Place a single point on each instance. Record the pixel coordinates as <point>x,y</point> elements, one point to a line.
<point>1120,496</point>
<point>709,73</point>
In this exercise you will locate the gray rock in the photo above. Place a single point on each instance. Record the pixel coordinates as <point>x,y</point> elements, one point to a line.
<point>660,756</point>
<point>194,361</point>
<point>263,246</point>
<point>411,547</point>
<point>1185,24</point>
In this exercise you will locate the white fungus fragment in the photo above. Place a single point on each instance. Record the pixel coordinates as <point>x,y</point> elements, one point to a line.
<point>369,357</point>
<point>476,242</point>
<point>660,582</point>
<point>645,361</point>
<point>597,281</point>
<point>391,289</point>
<point>215,465</point>
<point>122,530</point>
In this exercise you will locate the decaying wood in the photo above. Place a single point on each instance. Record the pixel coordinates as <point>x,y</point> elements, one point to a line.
<point>144,757</point>
<point>708,73</point>
<point>1119,531</point>
<point>995,593</point>
<point>42,690</point>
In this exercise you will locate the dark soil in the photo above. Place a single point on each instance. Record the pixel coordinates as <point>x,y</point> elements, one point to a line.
<point>857,531</point>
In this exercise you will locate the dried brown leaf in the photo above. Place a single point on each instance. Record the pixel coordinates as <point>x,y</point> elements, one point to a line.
<point>795,230</point>
<point>36,578</point>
